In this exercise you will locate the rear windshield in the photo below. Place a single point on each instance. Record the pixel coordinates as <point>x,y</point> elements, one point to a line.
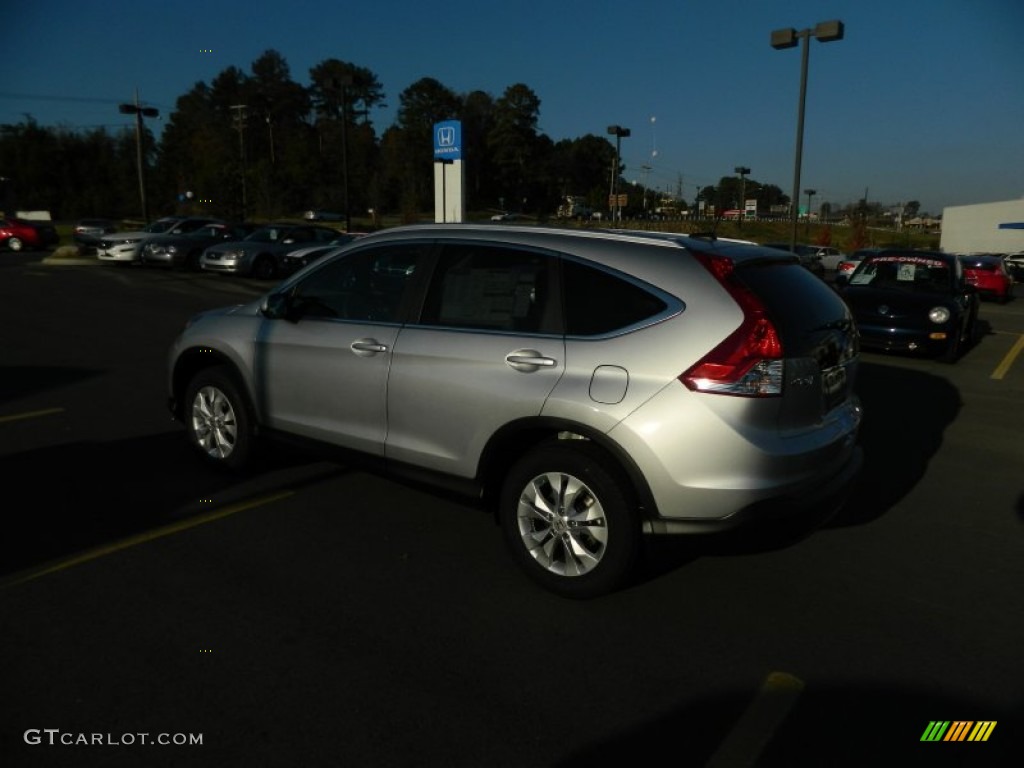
<point>980,266</point>
<point>799,303</point>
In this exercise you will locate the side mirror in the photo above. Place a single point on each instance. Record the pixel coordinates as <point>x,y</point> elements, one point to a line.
<point>275,306</point>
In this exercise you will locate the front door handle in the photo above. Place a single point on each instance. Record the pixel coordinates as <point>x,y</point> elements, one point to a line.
<point>366,347</point>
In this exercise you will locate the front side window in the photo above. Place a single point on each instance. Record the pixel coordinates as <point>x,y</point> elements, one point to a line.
<point>491,288</point>
<point>366,286</point>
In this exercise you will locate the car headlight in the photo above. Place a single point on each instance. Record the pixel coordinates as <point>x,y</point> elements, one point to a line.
<point>939,315</point>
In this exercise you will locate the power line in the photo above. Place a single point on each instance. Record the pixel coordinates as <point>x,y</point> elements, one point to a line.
<point>76,99</point>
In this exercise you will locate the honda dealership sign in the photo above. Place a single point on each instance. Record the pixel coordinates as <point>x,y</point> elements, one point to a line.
<point>448,173</point>
<point>448,140</point>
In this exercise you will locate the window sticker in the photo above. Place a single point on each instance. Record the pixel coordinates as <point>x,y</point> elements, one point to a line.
<point>862,278</point>
<point>905,273</point>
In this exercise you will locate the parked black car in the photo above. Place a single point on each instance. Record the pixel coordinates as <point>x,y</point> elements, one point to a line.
<point>808,254</point>
<point>912,301</point>
<point>296,260</point>
<point>87,232</point>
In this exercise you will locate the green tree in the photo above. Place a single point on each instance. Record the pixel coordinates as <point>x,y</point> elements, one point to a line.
<point>477,116</point>
<point>343,96</point>
<point>512,142</point>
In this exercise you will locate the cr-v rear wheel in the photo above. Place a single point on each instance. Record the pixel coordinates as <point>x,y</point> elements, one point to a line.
<point>568,521</point>
<point>217,418</point>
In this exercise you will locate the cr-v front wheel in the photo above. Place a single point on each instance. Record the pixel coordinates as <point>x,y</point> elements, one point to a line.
<point>567,520</point>
<point>217,418</point>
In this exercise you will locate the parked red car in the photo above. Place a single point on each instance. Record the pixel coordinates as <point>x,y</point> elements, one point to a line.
<point>16,234</point>
<point>989,276</point>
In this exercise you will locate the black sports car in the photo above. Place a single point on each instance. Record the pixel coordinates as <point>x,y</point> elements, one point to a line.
<point>912,301</point>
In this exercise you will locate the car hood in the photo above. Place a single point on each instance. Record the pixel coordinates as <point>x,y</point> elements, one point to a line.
<point>895,303</point>
<point>127,235</point>
<point>168,239</point>
<point>250,245</point>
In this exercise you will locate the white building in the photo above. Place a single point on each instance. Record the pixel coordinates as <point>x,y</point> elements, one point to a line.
<point>983,228</point>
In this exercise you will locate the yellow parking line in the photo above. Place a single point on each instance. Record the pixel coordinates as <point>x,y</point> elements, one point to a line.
<point>1007,361</point>
<point>757,725</point>
<point>30,414</point>
<point>140,538</point>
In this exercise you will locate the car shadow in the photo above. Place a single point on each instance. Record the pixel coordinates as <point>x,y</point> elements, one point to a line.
<point>18,381</point>
<point>86,495</point>
<point>921,404</point>
<point>906,413</point>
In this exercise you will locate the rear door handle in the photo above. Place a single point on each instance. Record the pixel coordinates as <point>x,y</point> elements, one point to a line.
<point>529,360</point>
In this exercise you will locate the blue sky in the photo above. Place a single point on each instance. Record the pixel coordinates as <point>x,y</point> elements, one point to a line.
<point>923,99</point>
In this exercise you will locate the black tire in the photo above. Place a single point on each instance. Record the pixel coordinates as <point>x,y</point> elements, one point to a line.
<point>191,262</point>
<point>569,492</point>
<point>218,419</point>
<point>952,351</point>
<point>263,268</point>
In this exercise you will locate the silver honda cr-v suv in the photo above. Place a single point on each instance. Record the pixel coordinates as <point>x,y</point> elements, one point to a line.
<point>590,387</point>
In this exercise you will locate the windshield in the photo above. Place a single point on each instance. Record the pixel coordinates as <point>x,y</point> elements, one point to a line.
<point>918,274</point>
<point>268,235</point>
<point>210,230</point>
<point>161,225</point>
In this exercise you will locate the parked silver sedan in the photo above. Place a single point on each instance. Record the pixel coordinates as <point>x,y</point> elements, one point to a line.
<point>259,254</point>
<point>125,247</point>
<point>589,387</point>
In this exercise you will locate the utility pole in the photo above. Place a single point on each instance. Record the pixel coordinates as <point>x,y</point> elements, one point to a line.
<point>139,112</point>
<point>342,83</point>
<point>742,171</point>
<point>619,133</point>
<point>240,125</point>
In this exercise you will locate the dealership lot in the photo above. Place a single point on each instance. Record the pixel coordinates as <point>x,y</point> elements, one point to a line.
<point>308,614</point>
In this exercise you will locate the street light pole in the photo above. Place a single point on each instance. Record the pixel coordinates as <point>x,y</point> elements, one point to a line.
<point>826,32</point>
<point>618,132</point>
<point>742,171</point>
<point>139,112</point>
<point>810,193</point>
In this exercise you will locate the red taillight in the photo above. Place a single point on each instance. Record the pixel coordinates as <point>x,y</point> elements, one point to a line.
<point>749,361</point>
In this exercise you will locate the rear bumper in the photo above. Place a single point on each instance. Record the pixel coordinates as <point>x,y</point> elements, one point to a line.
<point>823,498</point>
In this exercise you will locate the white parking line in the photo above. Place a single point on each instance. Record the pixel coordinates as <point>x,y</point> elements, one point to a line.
<point>756,726</point>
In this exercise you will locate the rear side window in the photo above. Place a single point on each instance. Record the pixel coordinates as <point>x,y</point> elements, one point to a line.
<point>598,302</point>
<point>490,288</point>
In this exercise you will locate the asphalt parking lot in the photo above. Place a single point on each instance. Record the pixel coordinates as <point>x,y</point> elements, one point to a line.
<point>308,614</point>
